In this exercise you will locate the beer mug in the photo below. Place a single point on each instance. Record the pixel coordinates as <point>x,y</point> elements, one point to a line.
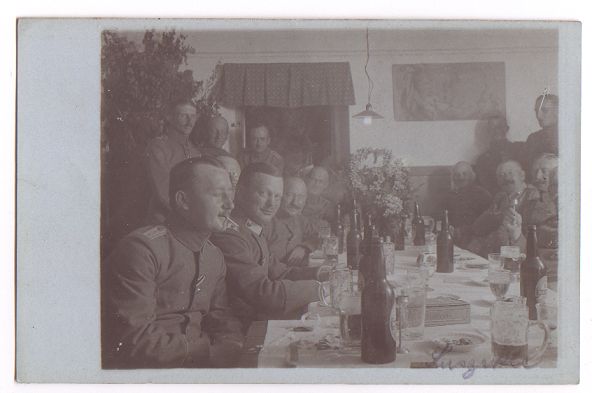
<point>340,282</point>
<point>509,334</point>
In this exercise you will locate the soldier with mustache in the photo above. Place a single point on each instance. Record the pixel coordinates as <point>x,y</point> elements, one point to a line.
<point>259,285</point>
<point>293,236</point>
<point>501,224</point>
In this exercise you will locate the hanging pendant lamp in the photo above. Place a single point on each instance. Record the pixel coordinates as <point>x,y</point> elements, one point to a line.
<point>368,115</point>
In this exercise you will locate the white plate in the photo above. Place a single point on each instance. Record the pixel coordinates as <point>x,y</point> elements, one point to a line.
<point>459,342</point>
<point>482,282</point>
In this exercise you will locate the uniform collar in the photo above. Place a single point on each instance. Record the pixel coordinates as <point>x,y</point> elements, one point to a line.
<point>241,218</point>
<point>186,233</point>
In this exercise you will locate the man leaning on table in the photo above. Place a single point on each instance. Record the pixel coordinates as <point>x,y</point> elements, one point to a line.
<point>164,291</point>
<point>261,287</point>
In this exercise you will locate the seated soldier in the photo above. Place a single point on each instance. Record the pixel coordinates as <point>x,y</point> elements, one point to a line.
<point>164,291</point>
<point>465,201</point>
<point>261,287</point>
<point>515,194</point>
<point>293,236</point>
<point>509,233</point>
<point>215,135</point>
<point>258,150</point>
<point>317,205</point>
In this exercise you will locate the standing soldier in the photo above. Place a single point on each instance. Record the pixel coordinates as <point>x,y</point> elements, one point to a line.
<point>164,152</point>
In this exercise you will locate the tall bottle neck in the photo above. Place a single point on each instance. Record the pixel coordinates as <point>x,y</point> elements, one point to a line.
<point>378,268</point>
<point>445,221</point>
<point>417,212</point>
<point>355,225</point>
<point>339,213</point>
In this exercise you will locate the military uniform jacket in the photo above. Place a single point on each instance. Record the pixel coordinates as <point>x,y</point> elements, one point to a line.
<point>259,286</point>
<point>165,301</point>
<point>290,232</point>
<point>269,156</point>
<point>162,154</point>
<point>491,219</point>
<point>320,207</point>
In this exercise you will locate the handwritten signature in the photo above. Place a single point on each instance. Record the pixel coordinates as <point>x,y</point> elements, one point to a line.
<point>470,365</point>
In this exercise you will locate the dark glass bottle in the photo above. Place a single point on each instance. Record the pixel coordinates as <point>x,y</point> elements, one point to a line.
<point>445,248</point>
<point>353,242</point>
<point>533,274</point>
<point>418,227</point>
<point>370,235</point>
<point>378,298</point>
<point>340,231</point>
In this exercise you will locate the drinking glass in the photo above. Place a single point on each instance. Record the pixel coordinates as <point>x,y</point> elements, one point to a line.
<point>350,320</point>
<point>495,260</point>
<point>340,282</point>
<point>547,313</point>
<point>509,334</point>
<point>427,267</point>
<point>414,319</point>
<point>331,249</point>
<point>499,282</point>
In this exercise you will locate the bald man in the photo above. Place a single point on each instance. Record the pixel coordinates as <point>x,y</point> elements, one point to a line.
<point>465,201</point>
<point>543,173</point>
<point>317,205</point>
<point>502,223</point>
<point>215,135</point>
<point>511,179</point>
<point>294,236</point>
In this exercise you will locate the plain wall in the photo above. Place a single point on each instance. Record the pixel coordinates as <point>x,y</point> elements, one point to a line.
<point>429,147</point>
<point>530,58</point>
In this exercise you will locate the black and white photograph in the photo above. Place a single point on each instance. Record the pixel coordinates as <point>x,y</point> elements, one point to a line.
<point>354,201</point>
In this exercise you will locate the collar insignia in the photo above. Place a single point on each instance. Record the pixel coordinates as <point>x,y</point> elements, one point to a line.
<point>254,227</point>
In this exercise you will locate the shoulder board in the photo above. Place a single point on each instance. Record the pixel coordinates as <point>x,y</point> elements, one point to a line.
<point>155,232</point>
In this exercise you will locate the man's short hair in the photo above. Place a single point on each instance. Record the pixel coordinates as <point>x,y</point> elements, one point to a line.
<point>178,102</point>
<point>258,124</point>
<point>546,156</point>
<point>247,174</point>
<point>549,97</point>
<point>183,172</point>
<point>508,162</point>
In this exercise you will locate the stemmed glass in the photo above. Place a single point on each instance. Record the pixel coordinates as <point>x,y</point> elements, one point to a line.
<point>499,280</point>
<point>427,268</point>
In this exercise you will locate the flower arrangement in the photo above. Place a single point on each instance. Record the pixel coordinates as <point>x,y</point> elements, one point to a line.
<point>379,182</point>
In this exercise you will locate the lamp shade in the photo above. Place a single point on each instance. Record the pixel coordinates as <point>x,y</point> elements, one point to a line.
<point>368,113</point>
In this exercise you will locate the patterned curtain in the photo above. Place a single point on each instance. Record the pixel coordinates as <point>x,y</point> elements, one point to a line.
<point>286,84</point>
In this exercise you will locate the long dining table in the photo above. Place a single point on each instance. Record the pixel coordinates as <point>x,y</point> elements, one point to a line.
<point>271,343</point>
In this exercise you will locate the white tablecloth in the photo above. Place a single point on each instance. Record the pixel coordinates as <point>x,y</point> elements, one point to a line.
<point>465,283</point>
